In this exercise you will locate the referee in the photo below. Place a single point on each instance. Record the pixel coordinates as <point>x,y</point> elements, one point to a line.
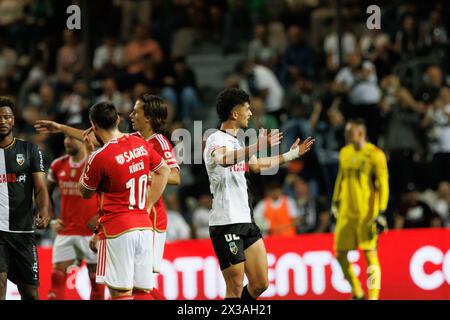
<point>22,175</point>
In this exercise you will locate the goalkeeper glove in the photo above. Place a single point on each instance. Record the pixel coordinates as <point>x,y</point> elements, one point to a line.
<point>380,223</point>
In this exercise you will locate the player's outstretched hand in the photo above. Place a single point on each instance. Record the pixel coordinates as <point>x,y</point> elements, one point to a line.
<point>42,220</point>
<point>380,223</point>
<point>305,146</point>
<point>266,141</point>
<point>93,243</point>
<point>47,126</point>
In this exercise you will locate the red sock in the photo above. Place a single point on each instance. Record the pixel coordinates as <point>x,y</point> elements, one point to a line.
<point>143,295</point>
<point>157,294</point>
<point>58,286</point>
<point>97,289</point>
<point>126,297</point>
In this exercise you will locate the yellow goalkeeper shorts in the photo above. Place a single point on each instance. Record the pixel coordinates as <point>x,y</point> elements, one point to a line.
<point>351,234</point>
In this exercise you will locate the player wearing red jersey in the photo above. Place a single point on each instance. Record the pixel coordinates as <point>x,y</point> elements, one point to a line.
<point>119,171</point>
<point>77,219</point>
<point>148,119</point>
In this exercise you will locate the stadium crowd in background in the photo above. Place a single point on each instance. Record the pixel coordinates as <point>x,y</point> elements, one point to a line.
<point>284,53</point>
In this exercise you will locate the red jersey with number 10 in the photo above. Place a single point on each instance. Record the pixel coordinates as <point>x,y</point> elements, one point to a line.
<point>119,171</point>
<point>163,147</point>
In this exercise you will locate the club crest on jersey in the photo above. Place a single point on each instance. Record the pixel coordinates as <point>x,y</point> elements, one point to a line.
<point>73,172</point>
<point>120,159</point>
<point>233,248</point>
<point>20,159</point>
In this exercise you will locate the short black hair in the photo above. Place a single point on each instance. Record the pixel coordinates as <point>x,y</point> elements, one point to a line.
<point>7,102</point>
<point>228,99</point>
<point>104,115</point>
<point>156,110</point>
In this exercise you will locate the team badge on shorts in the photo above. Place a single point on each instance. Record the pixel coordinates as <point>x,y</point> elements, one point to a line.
<point>20,159</point>
<point>233,247</point>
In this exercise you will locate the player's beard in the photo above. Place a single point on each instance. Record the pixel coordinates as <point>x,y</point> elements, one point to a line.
<point>5,135</point>
<point>72,151</point>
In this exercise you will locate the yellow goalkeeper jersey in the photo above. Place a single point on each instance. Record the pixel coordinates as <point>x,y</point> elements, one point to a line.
<point>362,185</point>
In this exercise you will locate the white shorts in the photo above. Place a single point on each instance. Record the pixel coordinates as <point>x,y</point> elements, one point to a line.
<point>126,262</point>
<point>158,250</point>
<point>66,248</point>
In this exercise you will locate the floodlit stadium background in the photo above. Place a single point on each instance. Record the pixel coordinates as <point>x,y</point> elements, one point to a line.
<point>193,50</point>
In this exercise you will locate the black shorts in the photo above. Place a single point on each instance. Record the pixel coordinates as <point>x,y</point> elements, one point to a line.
<point>230,241</point>
<point>18,257</point>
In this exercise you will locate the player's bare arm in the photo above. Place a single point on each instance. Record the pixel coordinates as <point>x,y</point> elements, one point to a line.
<point>42,200</point>
<point>159,182</point>
<point>48,126</point>
<point>225,158</point>
<point>174,177</point>
<point>296,151</point>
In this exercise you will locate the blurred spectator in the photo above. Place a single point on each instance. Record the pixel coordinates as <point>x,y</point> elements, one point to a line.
<point>329,135</point>
<point>133,10</point>
<point>407,38</point>
<point>314,215</point>
<point>415,213</point>
<point>70,58</point>
<point>75,104</point>
<point>442,204</point>
<point>108,57</point>
<point>260,81</point>
<point>12,18</point>
<point>112,94</point>
<point>200,217</point>
<point>260,119</point>
<point>303,110</point>
<point>238,23</point>
<point>401,115</point>
<point>359,81</point>
<point>177,227</point>
<point>376,46</point>
<point>277,214</point>
<point>298,59</point>
<point>45,102</point>
<point>330,46</point>
<point>434,31</point>
<point>260,50</point>
<point>433,80</point>
<point>137,49</point>
<point>438,120</point>
<point>180,88</point>
<point>8,60</point>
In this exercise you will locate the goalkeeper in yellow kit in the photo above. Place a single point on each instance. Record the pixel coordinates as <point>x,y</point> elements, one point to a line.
<point>360,198</point>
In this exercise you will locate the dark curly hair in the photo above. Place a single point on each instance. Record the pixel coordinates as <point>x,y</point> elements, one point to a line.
<point>104,115</point>
<point>228,99</point>
<point>156,110</point>
<point>7,102</point>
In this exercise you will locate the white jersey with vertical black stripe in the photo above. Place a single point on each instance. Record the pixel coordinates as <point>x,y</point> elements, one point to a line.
<point>228,184</point>
<point>18,162</point>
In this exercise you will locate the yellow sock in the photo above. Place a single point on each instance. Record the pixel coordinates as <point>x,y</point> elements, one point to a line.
<point>374,274</point>
<point>349,274</point>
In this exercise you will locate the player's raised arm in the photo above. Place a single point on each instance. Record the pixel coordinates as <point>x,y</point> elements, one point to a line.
<point>48,126</point>
<point>296,151</point>
<point>225,157</point>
